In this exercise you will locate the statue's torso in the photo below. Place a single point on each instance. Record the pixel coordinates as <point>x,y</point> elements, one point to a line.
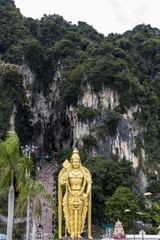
<point>75,180</point>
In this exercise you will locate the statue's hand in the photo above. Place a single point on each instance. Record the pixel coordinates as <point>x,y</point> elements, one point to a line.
<point>85,195</point>
<point>65,180</point>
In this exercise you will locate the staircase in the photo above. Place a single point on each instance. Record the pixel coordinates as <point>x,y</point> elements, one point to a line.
<point>45,175</point>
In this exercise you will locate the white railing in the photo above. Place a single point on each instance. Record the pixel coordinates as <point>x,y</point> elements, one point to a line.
<point>137,237</point>
<point>145,236</point>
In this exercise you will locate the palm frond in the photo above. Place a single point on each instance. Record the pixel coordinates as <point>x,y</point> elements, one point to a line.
<point>50,199</point>
<point>5,176</point>
<point>4,156</point>
<point>12,142</point>
<point>21,208</point>
<point>37,207</point>
<point>23,169</point>
<point>36,188</point>
<point>3,191</point>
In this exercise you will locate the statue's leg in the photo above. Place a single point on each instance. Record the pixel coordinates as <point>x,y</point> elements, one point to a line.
<point>79,222</point>
<point>83,214</point>
<point>71,221</point>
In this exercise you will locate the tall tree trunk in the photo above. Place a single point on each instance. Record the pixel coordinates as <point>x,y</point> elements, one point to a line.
<point>10,213</point>
<point>27,222</point>
<point>34,228</point>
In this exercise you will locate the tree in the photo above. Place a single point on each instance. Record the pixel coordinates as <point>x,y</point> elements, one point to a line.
<point>30,192</point>
<point>35,191</point>
<point>111,122</point>
<point>10,162</point>
<point>106,177</point>
<point>121,200</point>
<point>154,213</point>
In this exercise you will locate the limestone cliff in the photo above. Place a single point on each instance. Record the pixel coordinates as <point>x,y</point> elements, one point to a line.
<point>62,127</point>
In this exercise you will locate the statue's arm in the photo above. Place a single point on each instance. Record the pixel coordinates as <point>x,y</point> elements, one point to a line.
<point>88,185</point>
<point>63,180</point>
<point>88,189</point>
<point>61,183</point>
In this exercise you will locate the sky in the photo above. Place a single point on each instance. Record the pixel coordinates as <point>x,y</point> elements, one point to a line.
<point>106,16</point>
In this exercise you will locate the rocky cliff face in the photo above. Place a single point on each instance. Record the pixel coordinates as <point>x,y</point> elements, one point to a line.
<point>62,128</point>
<point>55,126</point>
<point>123,143</point>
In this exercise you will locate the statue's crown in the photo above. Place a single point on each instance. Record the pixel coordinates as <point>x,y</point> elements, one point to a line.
<point>75,154</point>
<point>75,151</point>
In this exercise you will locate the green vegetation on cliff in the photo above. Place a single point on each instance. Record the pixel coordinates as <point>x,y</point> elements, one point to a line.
<point>13,100</point>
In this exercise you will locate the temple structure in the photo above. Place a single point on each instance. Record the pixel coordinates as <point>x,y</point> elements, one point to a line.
<point>118,231</point>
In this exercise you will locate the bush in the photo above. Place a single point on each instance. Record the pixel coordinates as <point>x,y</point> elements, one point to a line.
<point>87,113</point>
<point>111,122</point>
<point>89,141</point>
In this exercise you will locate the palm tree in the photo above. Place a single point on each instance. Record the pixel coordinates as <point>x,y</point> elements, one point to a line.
<point>35,191</point>
<point>16,166</point>
<point>11,165</point>
<point>24,180</point>
<point>38,192</point>
<point>31,192</point>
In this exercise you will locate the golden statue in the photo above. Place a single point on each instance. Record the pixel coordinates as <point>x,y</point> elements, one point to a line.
<point>77,198</point>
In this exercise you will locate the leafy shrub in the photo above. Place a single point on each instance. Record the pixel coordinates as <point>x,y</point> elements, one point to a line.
<point>89,141</point>
<point>111,122</point>
<point>87,113</point>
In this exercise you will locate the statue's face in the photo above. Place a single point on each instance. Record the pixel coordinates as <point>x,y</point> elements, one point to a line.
<point>76,163</point>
